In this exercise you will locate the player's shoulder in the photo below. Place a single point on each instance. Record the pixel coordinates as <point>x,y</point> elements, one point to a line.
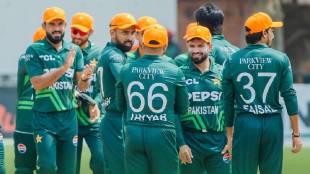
<point>37,45</point>
<point>111,53</point>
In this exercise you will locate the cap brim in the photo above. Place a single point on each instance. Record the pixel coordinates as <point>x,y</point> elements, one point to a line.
<point>192,37</point>
<point>122,27</point>
<point>54,18</point>
<point>277,24</point>
<point>80,27</point>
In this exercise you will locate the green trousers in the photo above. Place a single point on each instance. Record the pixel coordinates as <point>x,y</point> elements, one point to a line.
<point>113,143</point>
<point>206,149</point>
<point>92,137</point>
<point>25,153</point>
<point>150,150</point>
<point>56,139</point>
<point>257,144</point>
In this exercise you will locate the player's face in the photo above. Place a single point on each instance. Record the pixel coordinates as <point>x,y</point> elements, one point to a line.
<point>124,38</point>
<point>79,37</point>
<point>270,36</point>
<point>140,38</point>
<point>198,49</point>
<point>55,30</point>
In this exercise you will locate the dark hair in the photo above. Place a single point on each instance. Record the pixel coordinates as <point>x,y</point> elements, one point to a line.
<point>253,38</point>
<point>210,16</point>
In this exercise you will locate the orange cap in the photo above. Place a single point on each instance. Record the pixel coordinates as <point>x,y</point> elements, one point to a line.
<point>122,21</point>
<point>191,25</point>
<point>155,37</point>
<point>82,21</point>
<point>198,32</point>
<point>53,13</point>
<point>144,22</point>
<point>259,22</point>
<point>39,34</point>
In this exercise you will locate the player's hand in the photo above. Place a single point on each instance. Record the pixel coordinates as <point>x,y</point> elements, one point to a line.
<point>94,112</point>
<point>70,59</point>
<point>185,154</point>
<point>87,72</point>
<point>227,148</point>
<point>297,144</point>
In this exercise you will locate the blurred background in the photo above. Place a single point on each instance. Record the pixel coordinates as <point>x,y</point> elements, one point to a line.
<point>21,18</point>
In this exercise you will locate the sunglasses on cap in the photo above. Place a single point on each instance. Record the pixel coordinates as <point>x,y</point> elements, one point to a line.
<point>76,31</point>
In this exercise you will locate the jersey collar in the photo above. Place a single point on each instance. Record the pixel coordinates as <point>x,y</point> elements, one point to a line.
<point>48,45</point>
<point>255,46</point>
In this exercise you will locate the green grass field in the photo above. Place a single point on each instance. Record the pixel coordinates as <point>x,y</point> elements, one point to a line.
<point>293,164</point>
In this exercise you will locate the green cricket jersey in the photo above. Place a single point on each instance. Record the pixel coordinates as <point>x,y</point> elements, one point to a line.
<point>205,111</point>
<point>153,91</point>
<point>42,57</point>
<point>110,63</point>
<point>253,78</point>
<point>135,55</point>
<point>24,105</point>
<point>182,59</point>
<point>90,53</point>
<point>221,49</point>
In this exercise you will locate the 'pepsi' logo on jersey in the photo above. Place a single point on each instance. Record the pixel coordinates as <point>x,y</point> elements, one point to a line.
<point>21,148</point>
<point>204,95</point>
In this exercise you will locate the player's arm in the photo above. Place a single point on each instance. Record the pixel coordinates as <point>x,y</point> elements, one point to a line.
<point>181,95</point>
<point>228,95</point>
<point>120,95</point>
<point>290,98</point>
<point>41,80</point>
<point>21,70</point>
<point>115,64</point>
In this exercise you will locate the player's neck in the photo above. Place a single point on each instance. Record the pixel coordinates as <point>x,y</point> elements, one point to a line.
<point>204,66</point>
<point>84,45</point>
<point>57,46</point>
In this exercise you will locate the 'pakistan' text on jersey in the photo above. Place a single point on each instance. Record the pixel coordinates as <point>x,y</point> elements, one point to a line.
<point>205,111</point>
<point>153,92</point>
<point>24,105</point>
<point>253,76</point>
<point>111,61</point>
<point>90,54</point>
<point>41,57</point>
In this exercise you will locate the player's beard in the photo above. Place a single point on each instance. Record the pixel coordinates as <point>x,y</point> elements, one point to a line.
<point>123,46</point>
<point>55,39</point>
<point>200,59</point>
<point>269,42</point>
<point>80,42</point>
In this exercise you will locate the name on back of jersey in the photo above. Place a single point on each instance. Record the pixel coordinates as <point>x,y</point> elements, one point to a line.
<point>147,73</point>
<point>255,63</point>
<point>148,117</point>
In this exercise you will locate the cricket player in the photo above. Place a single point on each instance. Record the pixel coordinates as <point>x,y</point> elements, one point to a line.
<point>55,67</point>
<point>210,16</point>
<point>152,93</point>
<point>81,29</point>
<point>24,145</point>
<point>203,125</point>
<point>113,56</point>
<point>143,23</point>
<point>253,78</point>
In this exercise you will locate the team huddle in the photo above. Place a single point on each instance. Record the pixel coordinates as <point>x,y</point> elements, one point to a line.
<point>214,109</point>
